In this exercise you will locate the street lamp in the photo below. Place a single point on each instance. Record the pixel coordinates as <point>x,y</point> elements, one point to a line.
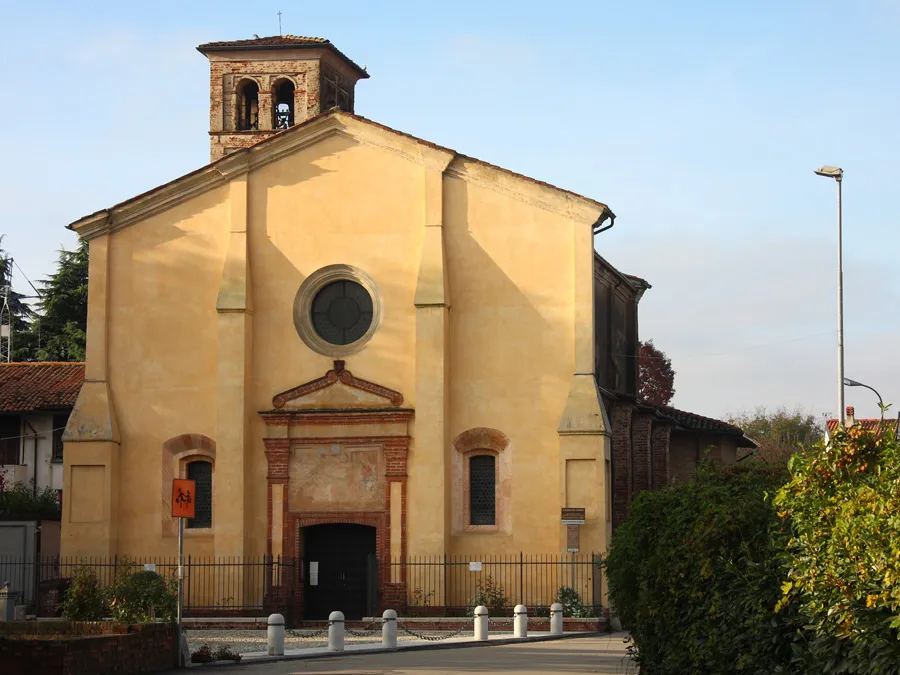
<point>838,174</point>
<point>853,383</point>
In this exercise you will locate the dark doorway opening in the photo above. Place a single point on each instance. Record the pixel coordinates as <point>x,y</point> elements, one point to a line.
<point>340,569</point>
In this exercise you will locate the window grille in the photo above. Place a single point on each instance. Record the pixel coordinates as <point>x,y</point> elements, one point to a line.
<point>482,493</point>
<point>201,473</point>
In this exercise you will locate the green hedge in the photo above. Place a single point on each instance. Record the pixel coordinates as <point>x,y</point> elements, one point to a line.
<point>843,503</point>
<point>694,574</point>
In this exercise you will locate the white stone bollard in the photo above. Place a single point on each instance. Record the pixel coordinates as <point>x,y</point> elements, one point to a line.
<point>481,622</point>
<point>556,619</point>
<point>275,636</point>
<point>336,632</point>
<point>389,629</point>
<point>520,622</point>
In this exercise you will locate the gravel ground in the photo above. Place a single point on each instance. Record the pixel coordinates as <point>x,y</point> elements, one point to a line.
<point>243,641</point>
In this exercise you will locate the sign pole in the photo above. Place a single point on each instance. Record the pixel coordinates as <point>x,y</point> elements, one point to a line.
<point>180,589</point>
<point>184,497</point>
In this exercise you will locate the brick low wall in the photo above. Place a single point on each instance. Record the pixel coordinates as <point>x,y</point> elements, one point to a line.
<point>101,648</point>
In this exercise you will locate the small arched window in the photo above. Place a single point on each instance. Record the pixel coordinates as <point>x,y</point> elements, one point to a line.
<point>200,471</point>
<point>482,490</point>
<point>248,106</point>
<point>283,96</point>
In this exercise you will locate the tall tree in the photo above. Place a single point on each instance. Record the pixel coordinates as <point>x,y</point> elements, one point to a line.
<point>656,375</point>
<point>21,314</point>
<point>779,433</point>
<point>63,308</point>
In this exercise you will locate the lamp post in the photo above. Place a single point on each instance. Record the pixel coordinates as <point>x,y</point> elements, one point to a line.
<point>838,174</point>
<point>853,383</point>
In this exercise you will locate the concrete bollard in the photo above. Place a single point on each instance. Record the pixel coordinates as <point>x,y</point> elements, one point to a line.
<point>389,629</point>
<point>336,632</point>
<point>556,619</point>
<point>520,622</point>
<point>481,622</point>
<point>275,635</point>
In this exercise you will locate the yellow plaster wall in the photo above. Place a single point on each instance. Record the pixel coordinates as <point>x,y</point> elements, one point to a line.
<point>163,281</point>
<point>511,347</point>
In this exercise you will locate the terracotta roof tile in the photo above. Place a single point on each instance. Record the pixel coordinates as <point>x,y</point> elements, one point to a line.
<point>279,42</point>
<point>270,41</point>
<point>871,424</point>
<point>33,386</point>
<point>695,422</point>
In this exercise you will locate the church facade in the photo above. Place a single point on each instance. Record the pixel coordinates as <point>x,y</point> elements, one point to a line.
<point>352,338</point>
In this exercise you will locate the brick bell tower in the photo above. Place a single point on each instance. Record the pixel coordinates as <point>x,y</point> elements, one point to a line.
<point>262,86</point>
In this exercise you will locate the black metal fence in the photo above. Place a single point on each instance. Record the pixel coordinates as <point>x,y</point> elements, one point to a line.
<point>452,585</point>
<point>252,586</point>
<point>448,585</point>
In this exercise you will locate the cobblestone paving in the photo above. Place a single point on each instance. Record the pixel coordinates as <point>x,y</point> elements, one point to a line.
<point>242,641</point>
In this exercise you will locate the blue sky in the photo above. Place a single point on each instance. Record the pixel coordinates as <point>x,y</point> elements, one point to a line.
<point>699,123</point>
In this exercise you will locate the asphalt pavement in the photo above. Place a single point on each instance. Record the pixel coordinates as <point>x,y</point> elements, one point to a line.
<point>594,655</point>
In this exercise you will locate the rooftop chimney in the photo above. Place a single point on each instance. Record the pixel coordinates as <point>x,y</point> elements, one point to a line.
<point>850,419</point>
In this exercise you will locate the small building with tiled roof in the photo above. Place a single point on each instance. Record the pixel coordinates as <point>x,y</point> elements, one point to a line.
<point>36,399</point>
<point>886,425</point>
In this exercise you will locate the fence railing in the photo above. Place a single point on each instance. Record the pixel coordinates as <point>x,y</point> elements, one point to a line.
<point>212,586</point>
<point>453,584</point>
<point>448,585</point>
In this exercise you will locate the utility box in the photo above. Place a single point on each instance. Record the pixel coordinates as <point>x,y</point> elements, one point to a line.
<point>8,599</point>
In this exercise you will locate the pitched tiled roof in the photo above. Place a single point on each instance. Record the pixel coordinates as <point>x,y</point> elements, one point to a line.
<point>689,421</point>
<point>867,424</point>
<point>29,387</point>
<point>278,42</point>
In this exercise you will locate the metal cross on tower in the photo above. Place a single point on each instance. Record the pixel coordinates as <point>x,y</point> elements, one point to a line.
<point>279,22</point>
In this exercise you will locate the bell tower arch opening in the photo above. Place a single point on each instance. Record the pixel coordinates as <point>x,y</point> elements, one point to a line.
<point>283,104</point>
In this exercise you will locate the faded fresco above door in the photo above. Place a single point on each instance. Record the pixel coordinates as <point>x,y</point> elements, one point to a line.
<point>336,477</point>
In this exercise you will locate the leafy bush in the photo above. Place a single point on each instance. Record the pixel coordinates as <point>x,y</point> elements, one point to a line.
<point>133,597</point>
<point>85,600</point>
<point>573,607</point>
<point>20,500</point>
<point>143,596</point>
<point>490,594</point>
<point>843,502</point>
<point>205,654</point>
<point>694,574</point>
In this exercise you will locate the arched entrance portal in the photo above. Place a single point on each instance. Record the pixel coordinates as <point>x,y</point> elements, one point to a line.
<point>341,570</point>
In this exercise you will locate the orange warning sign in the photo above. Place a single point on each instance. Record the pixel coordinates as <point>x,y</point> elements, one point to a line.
<point>183,497</point>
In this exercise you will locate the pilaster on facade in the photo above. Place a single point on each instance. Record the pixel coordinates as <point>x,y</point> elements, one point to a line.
<point>621,460</point>
<point>91,439</point>
<point>660,439</point>
<point>235,337</point>
<point>641,457</point>
<point>432,302</point>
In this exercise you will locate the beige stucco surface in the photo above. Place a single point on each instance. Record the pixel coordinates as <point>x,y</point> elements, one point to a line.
<point>484,324</point>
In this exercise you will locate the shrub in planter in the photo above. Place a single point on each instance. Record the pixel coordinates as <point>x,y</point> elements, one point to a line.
<point>694,574</point>
<point>85,599</point>
<point>573,607</point>
<point>491,595</point>
<point>843,502</point>
<point>143,596</point>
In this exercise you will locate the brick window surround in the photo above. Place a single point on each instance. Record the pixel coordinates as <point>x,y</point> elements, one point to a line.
<point>476,442</point>
<point>177,453</point>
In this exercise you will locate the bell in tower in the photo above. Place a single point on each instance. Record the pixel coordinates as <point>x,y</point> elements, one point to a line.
<point>262,86</point>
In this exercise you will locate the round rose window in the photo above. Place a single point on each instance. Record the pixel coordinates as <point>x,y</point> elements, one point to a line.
<point>341,312</point>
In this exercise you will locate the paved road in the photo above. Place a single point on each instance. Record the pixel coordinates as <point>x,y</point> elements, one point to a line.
<point>595,655</point>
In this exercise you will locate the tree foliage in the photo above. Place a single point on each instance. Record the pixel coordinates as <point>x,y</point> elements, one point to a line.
<point>655,374</point>
<point>843,504</point>
<point>22,316</point>
<point>63,308</point>
<point>780,433</point>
